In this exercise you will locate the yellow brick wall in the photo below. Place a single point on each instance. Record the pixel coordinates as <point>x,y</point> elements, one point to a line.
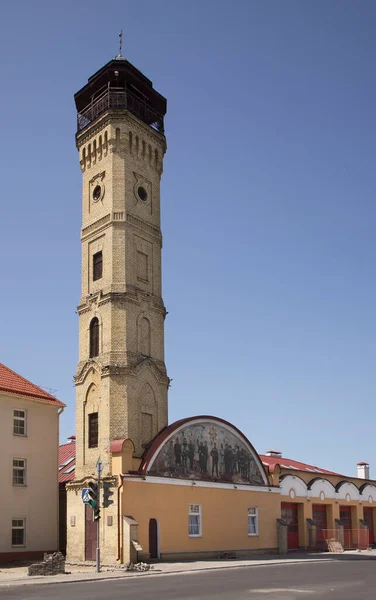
<point>119,153</point>
<point>126,388</point>
<point>108,526</point>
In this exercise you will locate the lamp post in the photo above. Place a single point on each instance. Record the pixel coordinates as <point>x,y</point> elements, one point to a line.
<point>99,468</point>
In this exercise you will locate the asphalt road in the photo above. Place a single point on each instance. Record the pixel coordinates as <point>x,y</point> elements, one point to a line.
<point>348,580</point>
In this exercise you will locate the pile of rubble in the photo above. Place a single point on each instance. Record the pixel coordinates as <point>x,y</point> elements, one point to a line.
<point>138,567</point>
<point>141,566</point>
<point>53,564</point>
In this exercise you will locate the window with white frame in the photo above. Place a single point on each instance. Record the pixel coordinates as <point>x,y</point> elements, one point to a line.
<point>19,471</point>
<point>194,520</point>
<point>19,422</point>
<point>252,520</point>
<point>18,532</point>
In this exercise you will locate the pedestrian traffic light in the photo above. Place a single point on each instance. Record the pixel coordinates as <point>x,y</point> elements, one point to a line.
<point>107,493</point>
<point>94,499</point>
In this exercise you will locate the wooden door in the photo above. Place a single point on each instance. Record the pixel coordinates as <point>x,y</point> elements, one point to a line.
<point>289,512</point>
<point>368,517</point>
<point>153,538</point>
<point>345,518</point>
<point>90,533</point>
<point>319,517</point>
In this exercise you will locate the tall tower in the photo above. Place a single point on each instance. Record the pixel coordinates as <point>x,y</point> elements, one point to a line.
<point>121,380</point>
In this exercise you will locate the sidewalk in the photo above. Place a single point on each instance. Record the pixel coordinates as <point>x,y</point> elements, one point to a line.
<point>16,576</point>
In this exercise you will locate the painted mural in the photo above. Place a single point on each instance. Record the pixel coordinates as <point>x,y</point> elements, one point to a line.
<point>208,452</point>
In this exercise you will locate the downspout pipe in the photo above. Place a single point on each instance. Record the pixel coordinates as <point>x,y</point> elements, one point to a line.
<point>59,412</point>
<point>120,490</point>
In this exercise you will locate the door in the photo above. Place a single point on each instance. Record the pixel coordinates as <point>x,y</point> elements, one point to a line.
<point>319,517</point>
<point>90,533</point>
<point>345,518</point>
<point>153,538</point>
<point>289,512</point>
<point>368,517</point>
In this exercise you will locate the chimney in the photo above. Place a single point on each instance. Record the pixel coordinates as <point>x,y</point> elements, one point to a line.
<point>363,470</point>
<point>72,438</point>
<point>274,453</point>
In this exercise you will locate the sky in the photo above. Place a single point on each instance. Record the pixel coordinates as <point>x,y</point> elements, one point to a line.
<point>268,211</point>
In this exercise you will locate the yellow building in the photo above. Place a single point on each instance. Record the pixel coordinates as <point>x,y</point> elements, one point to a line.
<point>29,433</point>
<point>319,504</point>
<point>200,490</point>
<point>196,487</point>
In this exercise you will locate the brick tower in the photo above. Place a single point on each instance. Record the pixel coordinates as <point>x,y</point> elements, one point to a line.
<point>121,381</point>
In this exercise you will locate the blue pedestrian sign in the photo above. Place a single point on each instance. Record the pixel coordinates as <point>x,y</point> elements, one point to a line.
<point>86,495</point>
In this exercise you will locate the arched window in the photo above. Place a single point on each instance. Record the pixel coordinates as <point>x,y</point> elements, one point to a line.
<point>144,336</point>
<point>94,337</point>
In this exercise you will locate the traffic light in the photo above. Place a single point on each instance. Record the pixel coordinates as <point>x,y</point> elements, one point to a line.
<point>107,493</point>
<point>94,499</point>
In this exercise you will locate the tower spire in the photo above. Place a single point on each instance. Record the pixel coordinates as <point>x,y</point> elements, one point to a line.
<point>121,43</point>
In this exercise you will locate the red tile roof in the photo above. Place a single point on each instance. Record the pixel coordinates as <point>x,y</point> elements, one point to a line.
<point>67,460</point>
<point>15,385</point>
<point>68,451</point>
<point>294,465</point>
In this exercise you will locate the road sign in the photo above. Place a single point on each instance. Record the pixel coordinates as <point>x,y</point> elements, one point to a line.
<point>99,466</point>
<point>86,495</point>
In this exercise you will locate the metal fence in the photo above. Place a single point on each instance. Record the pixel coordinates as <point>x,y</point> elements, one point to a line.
<point>119,98</point>
<point>350,539</point>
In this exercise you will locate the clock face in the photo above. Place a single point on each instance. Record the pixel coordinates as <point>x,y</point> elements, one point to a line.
<point>97,192</point>
<point>142,193</point>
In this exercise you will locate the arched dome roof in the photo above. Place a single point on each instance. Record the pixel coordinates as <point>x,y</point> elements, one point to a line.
<point>204,448</point>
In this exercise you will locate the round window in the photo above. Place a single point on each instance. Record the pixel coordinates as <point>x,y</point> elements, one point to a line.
<point>142,193</point>
<point>97,191</point>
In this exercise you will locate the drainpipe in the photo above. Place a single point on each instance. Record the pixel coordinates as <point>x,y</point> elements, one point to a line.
<point>59,411</point>
<point>119,516</point>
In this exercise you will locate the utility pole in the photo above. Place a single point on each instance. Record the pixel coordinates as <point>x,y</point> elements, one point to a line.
<point>98,550</point>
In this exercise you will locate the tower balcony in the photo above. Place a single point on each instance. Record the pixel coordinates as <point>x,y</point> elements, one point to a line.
<point>120,98</point>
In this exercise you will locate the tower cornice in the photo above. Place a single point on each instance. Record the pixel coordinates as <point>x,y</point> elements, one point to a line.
<point>157,368</point>
<point>113,117</point>
<point>119,218</point>
<point>133,295</point>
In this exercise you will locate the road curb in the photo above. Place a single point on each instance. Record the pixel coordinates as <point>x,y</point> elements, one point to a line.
<point>47,580</point>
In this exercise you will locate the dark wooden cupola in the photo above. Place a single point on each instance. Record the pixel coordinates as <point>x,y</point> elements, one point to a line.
<point>120,86</point>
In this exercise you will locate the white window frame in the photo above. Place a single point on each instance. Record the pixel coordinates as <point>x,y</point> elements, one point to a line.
<point>253,518</point>
<point>195,510</point>
<point>19,418</point>
<point>23,527</point>
<point>19,468</point>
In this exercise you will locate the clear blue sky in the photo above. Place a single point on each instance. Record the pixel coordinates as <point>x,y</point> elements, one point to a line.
<point>268,205</point>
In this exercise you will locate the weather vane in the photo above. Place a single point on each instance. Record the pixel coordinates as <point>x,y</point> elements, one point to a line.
<point>120,42</point>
